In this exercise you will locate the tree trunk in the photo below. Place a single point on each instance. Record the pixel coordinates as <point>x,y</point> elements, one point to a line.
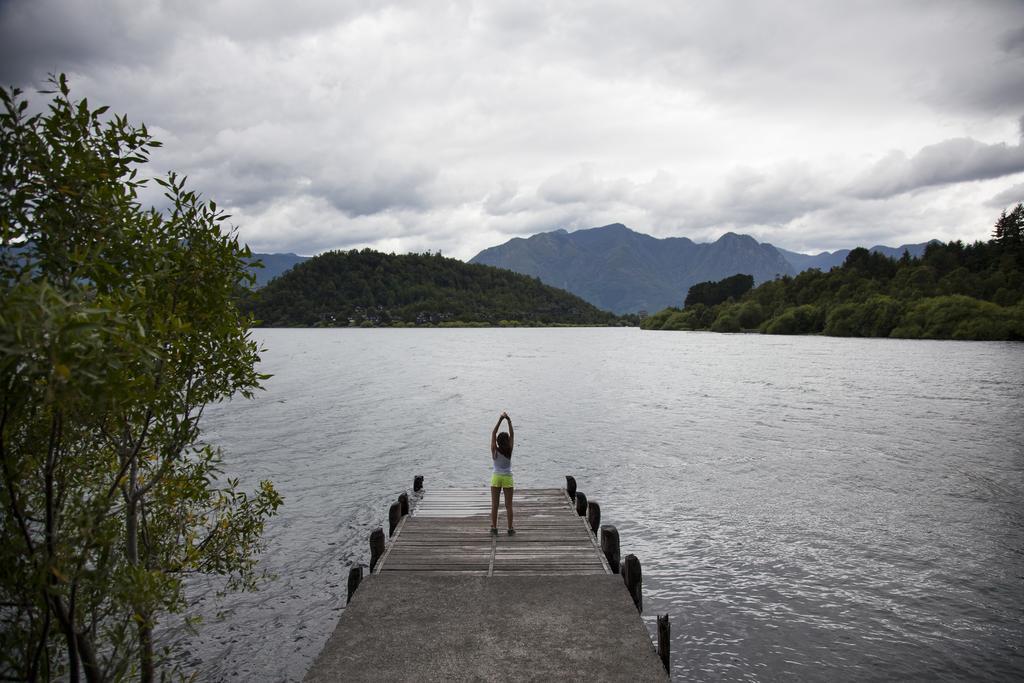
<point>76,642</point>
<point>147,667</point>
<point>145,629</point>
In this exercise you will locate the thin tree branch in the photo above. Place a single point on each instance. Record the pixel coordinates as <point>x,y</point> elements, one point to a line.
<point>12,494</point>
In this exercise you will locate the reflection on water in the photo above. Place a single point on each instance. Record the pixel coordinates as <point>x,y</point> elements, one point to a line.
<point>803,507</point>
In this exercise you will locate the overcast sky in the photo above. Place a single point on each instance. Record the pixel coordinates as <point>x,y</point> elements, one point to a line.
<point>454,126</point>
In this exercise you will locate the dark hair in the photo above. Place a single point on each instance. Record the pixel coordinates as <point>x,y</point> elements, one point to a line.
<point>503,445</point>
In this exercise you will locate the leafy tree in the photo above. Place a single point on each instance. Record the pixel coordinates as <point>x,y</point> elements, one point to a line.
<point>869,263</point>
<point>961,317</point>
<point>657,321</point>
<point>695,317</point>
<point>728,320</point>
<point>875,317</point>
<point>117,328</point>
<point>914,282</point>
<point>806,319</point>
<point>750,314</point>
<point>713,293</point>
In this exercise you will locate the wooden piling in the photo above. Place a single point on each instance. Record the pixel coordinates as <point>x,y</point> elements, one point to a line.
<point>403,500</point>
<point>394,517</point>
<point>570,486</point>
<point>355,576</point>
<point>665,641</point>
<point>417,483</point>
<point>633,578</point>
<point>581,503</point>
<point>610,546</point>
<point>377,543</point>
<point>594,516</point>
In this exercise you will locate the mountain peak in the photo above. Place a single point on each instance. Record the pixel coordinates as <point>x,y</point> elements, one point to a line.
<point>732,237</point>
<point>611,228</point>
<point>622,270</point>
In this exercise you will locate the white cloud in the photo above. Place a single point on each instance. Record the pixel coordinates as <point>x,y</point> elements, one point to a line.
<point>1009,197</point>
<point>950,161</point>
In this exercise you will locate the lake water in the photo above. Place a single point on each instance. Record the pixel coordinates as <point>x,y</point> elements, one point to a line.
<point>803,507</point>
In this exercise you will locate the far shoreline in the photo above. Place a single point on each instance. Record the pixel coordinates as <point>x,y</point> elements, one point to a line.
<point>635,327</point>
<point>437,327</point>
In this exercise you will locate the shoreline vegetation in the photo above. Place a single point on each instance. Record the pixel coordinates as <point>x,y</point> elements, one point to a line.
<point>371,289</point>
<point>953,291</point>
<point>448,324</point>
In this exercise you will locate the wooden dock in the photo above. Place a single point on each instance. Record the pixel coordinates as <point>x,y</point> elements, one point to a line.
<point>448,601</point>
<point>447,533</point>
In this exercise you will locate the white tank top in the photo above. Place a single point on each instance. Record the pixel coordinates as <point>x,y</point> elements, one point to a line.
<point>502,463</point>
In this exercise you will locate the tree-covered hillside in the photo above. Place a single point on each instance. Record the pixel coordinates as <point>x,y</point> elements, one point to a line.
<point>954,291</point>
<point>366,287</point>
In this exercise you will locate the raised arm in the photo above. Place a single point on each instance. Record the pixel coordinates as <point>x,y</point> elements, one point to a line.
<point>494,438</point>
<point>511,434</point>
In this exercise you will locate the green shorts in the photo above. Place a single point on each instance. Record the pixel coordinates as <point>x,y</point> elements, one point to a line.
<point>502,481</point>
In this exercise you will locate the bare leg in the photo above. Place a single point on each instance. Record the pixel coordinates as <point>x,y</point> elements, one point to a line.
<point>508,507</point>
<point>495,497</point>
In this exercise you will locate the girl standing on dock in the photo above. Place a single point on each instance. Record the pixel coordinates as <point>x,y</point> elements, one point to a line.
<point>501,454</point>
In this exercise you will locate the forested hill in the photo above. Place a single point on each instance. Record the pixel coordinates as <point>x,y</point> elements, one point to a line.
<point>954,291</point>
<point>338,289</point>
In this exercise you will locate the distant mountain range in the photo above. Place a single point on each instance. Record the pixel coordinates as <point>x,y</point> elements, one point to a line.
<point>620,270</point>
<point>273,265</point>
<point>624,271</point>
<point>828,260</point>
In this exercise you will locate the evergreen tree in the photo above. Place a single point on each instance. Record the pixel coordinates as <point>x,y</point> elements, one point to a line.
<point>1009,229</point>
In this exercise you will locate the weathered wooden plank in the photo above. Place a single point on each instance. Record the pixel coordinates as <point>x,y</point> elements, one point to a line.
<point>448,532</point>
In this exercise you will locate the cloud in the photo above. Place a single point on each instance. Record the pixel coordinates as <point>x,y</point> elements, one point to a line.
<point>42,36</point>
<point>950,161</point>
<point>455,125</point>
<point>743,196</point>
<point>1011,196</point>
<point>47,35</point>
<point>581,184</point>
<point>1013,41</point>
<point>774,196</point>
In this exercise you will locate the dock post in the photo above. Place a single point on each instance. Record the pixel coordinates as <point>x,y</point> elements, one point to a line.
<point>394,517</point>
<point>633,578</point>
<point>403,500</point>
<point>664,641</point>
<point>610,546</point>
<point>417,483</point>
<point>570,486</point>
<point>355,575</point>
<point>581,503</point>
<point>594,516</point>
<point>376,547</point>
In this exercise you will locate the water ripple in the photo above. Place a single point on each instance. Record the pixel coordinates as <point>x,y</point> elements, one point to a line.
<point>804,508</point>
